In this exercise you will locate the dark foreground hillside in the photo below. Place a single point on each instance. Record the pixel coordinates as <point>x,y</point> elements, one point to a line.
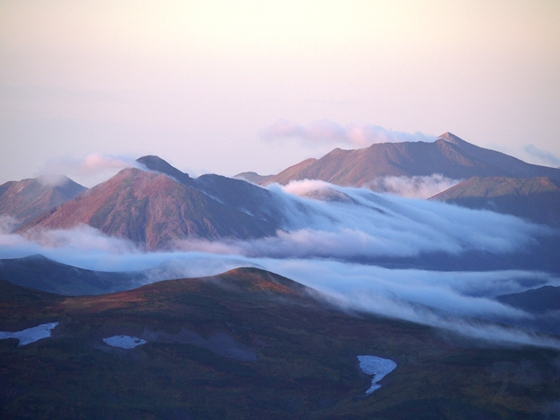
<point>251,344</point>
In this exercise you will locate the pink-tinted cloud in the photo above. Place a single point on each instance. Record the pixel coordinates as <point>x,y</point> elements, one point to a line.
<point>326,131</point>
<point>94,166</point>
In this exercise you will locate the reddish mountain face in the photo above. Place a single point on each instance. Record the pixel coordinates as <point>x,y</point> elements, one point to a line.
<point>28,198</point>
<point>536,199</point>
<point>238,194</point>
<point>152,210</point>
<point>449,156</point>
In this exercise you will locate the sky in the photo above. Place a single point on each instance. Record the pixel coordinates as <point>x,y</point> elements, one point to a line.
<point>206,84</point>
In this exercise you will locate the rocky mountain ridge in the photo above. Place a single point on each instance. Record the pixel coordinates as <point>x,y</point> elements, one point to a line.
<point>449,156</point>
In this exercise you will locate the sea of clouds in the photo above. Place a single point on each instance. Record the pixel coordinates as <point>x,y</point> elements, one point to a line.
<point>328,229</point>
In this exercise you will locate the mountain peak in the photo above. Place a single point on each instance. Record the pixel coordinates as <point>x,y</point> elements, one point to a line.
<point>451,138</point>
<point>157,164</point>
<point>28,198</point>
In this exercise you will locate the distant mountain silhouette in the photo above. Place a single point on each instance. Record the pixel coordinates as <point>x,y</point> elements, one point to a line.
<point>536,199</point>
<point>253,177</point>
<point>40,273</point>
<point>28,198</point>
<point>512,167</point>
<point>449,156</point>
<point>153,210</point>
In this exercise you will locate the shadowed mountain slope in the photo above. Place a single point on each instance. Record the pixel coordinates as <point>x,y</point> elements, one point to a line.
<point>236,193</point>
<point>157,164</point>
<point>153,210</point>
<point>449,156</point>
<point>28,198</point>
<point>544,305</point>
<point>41,273</point>
<point>540,300</point>
<point>244,196</point>
<point>251,344</point>
<point>536,199</point>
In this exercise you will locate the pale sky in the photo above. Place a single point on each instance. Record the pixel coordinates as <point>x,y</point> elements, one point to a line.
<point>199,82</point>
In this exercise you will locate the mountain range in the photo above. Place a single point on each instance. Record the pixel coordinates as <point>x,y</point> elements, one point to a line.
<point>153,210</point>
<point>449,156</point>
<point>486,179</point>
<point>463,302</point>
<point>160,205</point>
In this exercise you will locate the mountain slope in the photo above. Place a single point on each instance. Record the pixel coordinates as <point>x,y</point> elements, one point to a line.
<point>244,196</point>
<point>448,156</point>
<point>252,177</point>
<point>540,300</point>
<point>251,344</point>
<point>513,167</point>
<point>536,199</point>
<point>152,210</point>
<point>28,198</point>
<point>235,193</point>
<point>40,273</point>
<point>542,303</point>
<point>157,164</point>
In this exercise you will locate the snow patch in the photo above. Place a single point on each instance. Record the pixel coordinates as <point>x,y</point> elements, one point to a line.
<point>376,366</point>
<point>30,335</point>
<point>124,341</point>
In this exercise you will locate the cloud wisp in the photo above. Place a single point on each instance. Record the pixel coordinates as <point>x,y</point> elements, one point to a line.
<point>329,132</point>
<point>543,156</point>
<point>412,187</point>
<point>94,166</point>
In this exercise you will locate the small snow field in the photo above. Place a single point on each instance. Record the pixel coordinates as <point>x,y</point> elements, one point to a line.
<point>376,366</point>
<point>124,341</point>
<point>30,335</point>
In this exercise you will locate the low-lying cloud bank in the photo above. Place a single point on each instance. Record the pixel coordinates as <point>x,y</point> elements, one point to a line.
<point>329,132</point>
<point>360,223</point>
<point>412,187</point>
<point>326,236</point>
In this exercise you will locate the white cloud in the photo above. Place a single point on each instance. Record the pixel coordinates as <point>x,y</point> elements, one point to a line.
<point>412,187</point>
<point>370,224</point>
